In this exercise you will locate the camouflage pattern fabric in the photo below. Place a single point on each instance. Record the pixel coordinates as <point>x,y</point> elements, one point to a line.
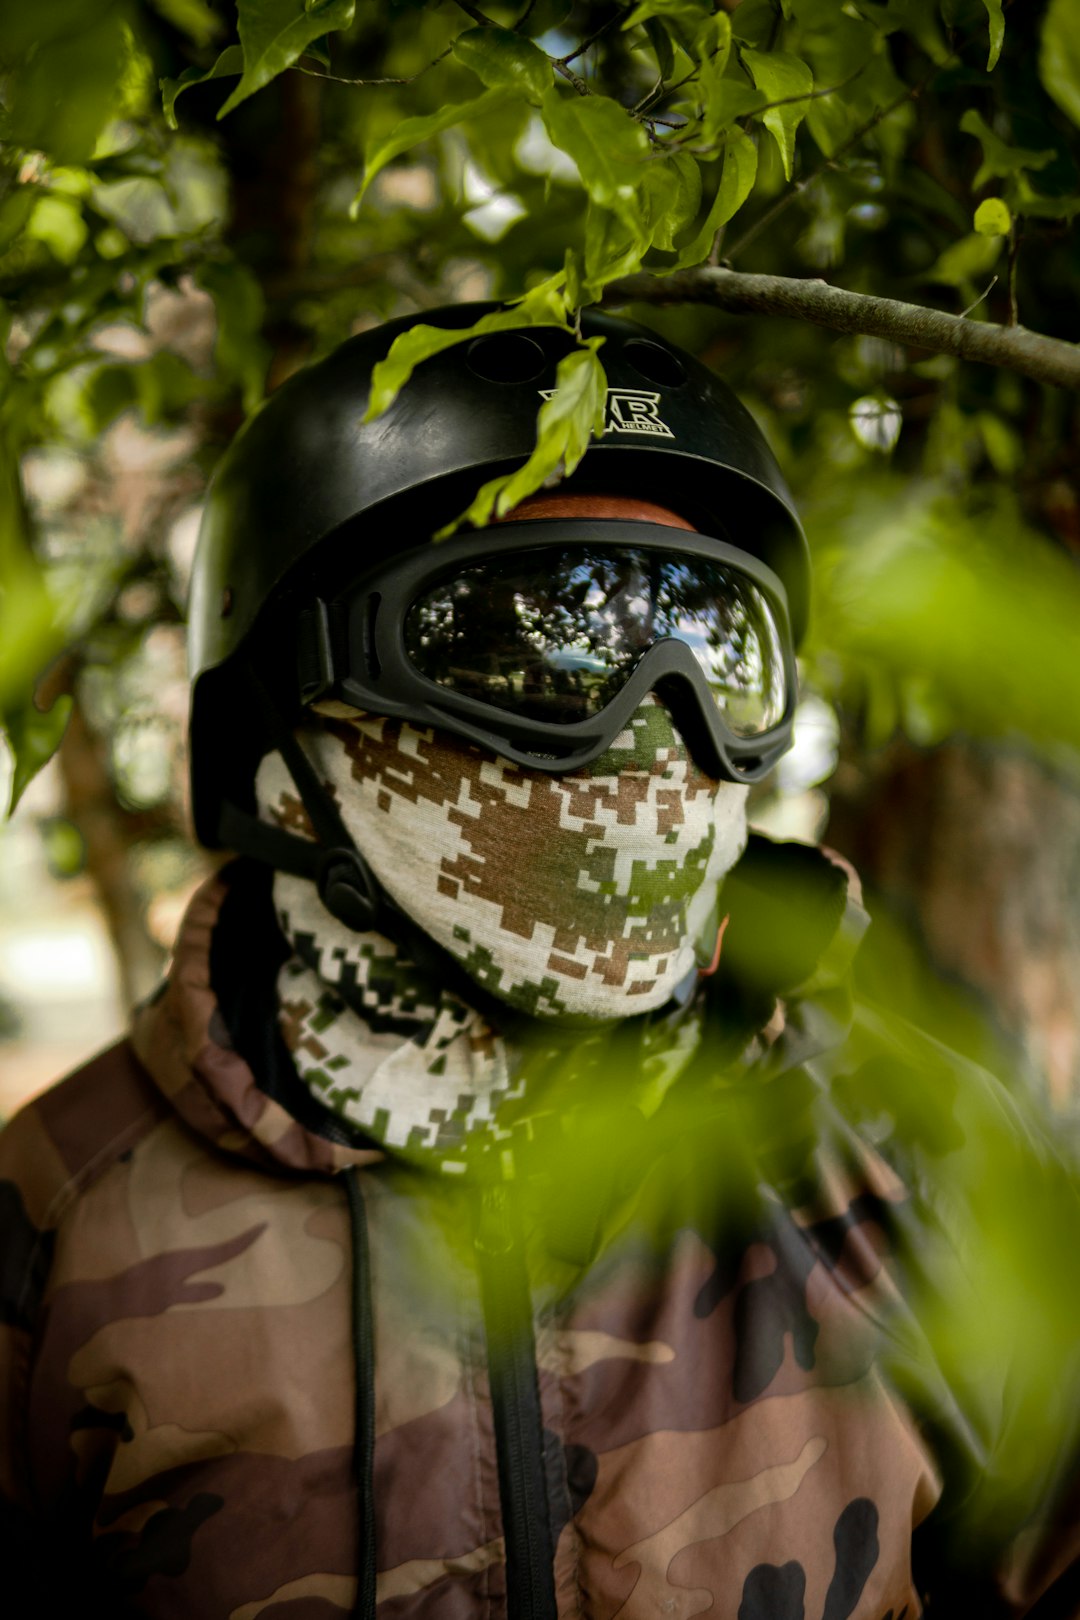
<point>587,895</point>
<point>710,1307</point>
<point>410,1063</point>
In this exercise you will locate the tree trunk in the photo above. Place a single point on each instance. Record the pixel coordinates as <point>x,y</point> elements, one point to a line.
<point>978,848</point>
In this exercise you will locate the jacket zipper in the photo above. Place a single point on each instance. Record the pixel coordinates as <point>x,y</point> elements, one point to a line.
<point>515,1397</point>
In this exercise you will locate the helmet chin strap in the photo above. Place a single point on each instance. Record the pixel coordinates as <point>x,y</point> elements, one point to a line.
<point>347,886</point>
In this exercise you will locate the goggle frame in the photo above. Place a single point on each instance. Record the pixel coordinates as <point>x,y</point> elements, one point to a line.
<point>352,649</point>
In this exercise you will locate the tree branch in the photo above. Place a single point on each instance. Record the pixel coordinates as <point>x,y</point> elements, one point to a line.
<point>1045,359</point>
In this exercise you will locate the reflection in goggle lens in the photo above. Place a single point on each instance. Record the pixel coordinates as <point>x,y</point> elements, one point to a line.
<point>554,635</point>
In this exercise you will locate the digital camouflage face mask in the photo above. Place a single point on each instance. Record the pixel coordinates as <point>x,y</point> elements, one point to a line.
<point>588,896</point>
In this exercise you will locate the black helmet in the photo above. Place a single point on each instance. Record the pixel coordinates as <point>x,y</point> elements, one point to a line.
<point>310,496</point>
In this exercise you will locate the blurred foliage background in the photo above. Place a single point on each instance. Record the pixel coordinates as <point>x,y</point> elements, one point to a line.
<point>163,267</point>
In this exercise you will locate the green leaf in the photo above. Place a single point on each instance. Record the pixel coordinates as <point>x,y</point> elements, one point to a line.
<point>686,15</point>
<point>15,210</point>
<point>667,200</point>
<point>713,48</point>
<point>32,630</point>
<point>611,251</point>
<point>736,183</point>
<point>414,130</point>
<point>992,218</point>
<point>1000,161</point>
<point>830,121</point>
<point>24,28</point>
<point>276,33</point>
<point>997,32</point>
<point>503,60</point>
<point>62,98</point>
<point>728,100</point>
<point>194,18</point>
<point>674,190</point>
<point>920,19</point>
<point>782,76</point>
<point>1033,206</point>
<point>33,738</point>
<point>1059,55</point>
<point>543,305</point>
<point>663,50</point>
<point>964,261</point>
<point>609,148</point>
<point>319,51</point>
<point>58,222</point>
<point>228,65</point>
<point>565,426</point>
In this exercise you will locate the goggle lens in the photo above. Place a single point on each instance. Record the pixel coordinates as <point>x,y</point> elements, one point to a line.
<point>553,635</point>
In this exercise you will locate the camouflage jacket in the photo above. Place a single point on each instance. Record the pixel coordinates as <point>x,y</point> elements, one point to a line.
<point>248,1370</point>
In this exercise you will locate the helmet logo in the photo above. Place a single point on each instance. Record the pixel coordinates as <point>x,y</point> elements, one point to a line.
<point>630,410</point>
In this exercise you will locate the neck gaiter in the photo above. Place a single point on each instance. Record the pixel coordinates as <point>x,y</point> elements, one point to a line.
<point>582,898</point>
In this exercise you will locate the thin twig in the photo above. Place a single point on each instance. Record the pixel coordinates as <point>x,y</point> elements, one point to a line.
<point>650,95</point>
<point>1045,359</point>
<point>579,50</point>
<point>525,15</point>
<point>575,79</point>
<point>335,78</point>
<point>476,14</point>
<point>1014,255</point>
<point>964,313</point>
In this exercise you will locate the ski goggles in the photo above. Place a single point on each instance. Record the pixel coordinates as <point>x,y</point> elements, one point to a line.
<point>539,640</point>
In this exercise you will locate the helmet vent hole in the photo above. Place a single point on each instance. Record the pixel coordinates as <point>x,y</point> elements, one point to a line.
<point>506,357</point>
<point>655,364</point>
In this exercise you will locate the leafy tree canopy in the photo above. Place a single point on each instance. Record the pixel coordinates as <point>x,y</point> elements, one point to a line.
<point>308,167</point>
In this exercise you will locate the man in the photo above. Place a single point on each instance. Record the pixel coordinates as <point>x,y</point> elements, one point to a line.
<point>502,1209</point>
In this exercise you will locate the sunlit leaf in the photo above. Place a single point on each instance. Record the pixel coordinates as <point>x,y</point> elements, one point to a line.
<point>1000,160</point>
<point>1059,55</point>
<point>728,100</point>
<point>33,739</point>
<point>784,79</point>
<point>32,625</point>
<point>713,47</point>
<point>992,218</point>
<point>543,305</point>
<point>611,250</point>
<point>686,14</point>
<point>504,60</point>
<point>228,66</point>
<point>58,222</point>
<point>675,190</point>
<point>736,183</point>
<point>1028,202</point>
<point>565,426</point>
<point>997,31</point>
<point>195,18</point>
<point>412,131</point>
<point>608,146</point>
<point>972,257</point>
<point>275,34</point>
